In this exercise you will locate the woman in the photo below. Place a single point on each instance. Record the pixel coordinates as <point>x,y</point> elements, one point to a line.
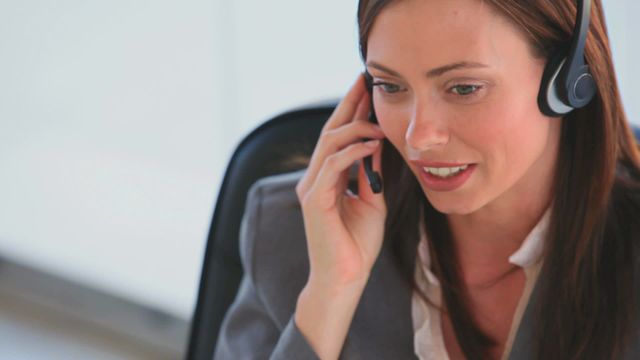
<point>507,197</point>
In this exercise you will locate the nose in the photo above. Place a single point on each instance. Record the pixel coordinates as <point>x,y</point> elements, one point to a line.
<point>427,129</point>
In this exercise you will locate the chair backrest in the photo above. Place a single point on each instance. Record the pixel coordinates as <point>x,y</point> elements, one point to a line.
<point>270,149</point>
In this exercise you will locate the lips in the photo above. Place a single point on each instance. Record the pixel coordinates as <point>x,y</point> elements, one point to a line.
<point>445,171</point>
<point>423,163</point>
<point>450,181</point>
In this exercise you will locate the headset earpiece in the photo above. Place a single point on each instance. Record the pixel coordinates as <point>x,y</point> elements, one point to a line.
<point>582,88</point>
<point>567,83</point>
<point>549,98</point>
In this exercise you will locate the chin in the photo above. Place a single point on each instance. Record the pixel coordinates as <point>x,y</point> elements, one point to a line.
<point>447,205</point>
<point>453,210</point>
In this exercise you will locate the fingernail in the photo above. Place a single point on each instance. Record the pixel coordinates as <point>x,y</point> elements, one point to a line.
<point>372,143</point>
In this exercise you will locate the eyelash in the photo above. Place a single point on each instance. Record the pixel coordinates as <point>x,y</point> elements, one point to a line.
<point>474,93</point>
<point>382,86</point>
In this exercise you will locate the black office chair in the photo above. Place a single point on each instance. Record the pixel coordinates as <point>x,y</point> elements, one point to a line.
<point>273,148</point>
<point>270,149</point>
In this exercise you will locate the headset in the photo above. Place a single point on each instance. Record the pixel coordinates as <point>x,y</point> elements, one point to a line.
<point>567,83</point>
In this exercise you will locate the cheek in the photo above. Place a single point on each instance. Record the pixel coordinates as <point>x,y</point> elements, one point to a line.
<point>393,124</point>
<point>513,138</point>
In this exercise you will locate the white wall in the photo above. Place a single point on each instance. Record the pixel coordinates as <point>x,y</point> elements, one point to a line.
<point>110,152</point>
<point>117,119</point>
<point>621,16</point>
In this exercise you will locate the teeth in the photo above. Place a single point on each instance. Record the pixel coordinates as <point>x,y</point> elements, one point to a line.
<point>445,171</point>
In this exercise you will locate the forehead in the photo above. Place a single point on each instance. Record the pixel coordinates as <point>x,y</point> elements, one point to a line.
<point>437,32</point>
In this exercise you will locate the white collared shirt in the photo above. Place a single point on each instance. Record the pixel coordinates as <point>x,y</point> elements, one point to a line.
<point>428,340</point>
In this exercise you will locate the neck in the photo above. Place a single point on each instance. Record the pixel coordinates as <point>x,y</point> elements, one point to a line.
<point>485,239</point>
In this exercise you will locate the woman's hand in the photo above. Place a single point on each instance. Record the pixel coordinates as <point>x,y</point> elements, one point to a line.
<point>344,231</point>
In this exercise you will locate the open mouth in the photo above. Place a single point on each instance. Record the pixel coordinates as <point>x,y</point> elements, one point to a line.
<point>446,178</point>
<point>445,172</point>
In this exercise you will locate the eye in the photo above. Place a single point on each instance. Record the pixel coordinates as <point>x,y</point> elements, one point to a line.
<point>388,88</point>
<point>465,90</point>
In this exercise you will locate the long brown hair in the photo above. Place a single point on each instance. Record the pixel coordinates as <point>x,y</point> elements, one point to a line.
<point>586,303</point>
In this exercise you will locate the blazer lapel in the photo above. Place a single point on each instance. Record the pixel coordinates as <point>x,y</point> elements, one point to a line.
<point>382,327</point>
<point>522,348</point>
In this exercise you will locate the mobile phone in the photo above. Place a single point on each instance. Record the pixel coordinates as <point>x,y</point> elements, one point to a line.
<point>375,181</point>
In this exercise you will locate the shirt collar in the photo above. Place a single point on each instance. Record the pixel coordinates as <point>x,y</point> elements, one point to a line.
<point>531,249</point>
<point>527,254</point>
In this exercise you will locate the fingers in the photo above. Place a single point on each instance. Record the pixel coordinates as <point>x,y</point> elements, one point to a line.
<point>338,139</point>
<point>334,141</point>
<point>362,111</point>
<point>347,125</point>
<point>324,191</point>
<point>345,110</point>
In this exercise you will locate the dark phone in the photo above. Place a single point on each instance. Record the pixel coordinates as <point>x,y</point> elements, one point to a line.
<point>375,181</point>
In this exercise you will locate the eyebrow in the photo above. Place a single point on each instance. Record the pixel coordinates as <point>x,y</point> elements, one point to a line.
<point>433,72</point>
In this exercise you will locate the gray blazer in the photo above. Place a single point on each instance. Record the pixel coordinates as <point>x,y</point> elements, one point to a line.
<point>273,250</point>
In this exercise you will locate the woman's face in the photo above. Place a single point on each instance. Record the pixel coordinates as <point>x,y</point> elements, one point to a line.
<point>456,84</point>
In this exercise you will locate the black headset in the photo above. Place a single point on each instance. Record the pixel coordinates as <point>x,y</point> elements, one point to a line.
<point>567,83</point>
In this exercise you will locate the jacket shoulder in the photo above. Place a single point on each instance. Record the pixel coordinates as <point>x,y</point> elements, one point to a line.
<point>273,244</point>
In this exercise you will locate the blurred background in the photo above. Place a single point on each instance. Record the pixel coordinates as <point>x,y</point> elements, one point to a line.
<point>117,120</point>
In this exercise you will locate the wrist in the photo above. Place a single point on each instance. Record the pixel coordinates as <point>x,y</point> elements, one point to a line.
<point>324,314</point>
<point>334,287</point>
<point>333,291</point>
